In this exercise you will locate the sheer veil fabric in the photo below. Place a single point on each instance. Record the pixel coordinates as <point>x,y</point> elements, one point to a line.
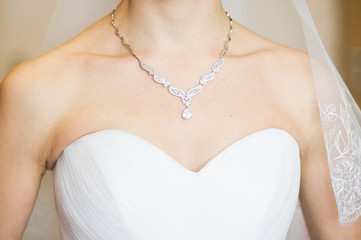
<point>340,114</point>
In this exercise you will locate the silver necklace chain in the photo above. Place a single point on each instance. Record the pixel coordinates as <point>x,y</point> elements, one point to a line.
<point>186,97</point>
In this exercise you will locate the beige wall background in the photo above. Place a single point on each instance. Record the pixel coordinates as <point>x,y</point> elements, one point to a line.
<point>23,26</point>
<point>351,49</point>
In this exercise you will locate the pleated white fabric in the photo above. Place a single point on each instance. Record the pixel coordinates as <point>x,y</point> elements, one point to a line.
<point>111,184</point>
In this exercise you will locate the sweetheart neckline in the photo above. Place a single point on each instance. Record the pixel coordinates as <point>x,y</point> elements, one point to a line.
<point>212,159</point>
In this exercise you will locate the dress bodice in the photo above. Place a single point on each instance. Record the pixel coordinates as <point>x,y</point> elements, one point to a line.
<point>111,184</point>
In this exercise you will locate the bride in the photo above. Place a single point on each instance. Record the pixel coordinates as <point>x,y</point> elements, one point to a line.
<point>170,120</point>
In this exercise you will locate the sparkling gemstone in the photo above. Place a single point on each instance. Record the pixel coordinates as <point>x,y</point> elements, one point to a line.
<point>186,100</point>
<point>187,114</point>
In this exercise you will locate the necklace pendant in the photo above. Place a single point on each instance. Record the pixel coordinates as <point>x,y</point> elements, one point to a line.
<point>186,97</point>
<point>186,114</point>
<point>186,100</point>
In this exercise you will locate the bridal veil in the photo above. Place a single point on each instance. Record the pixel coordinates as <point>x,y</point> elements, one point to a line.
<point>339,113</point>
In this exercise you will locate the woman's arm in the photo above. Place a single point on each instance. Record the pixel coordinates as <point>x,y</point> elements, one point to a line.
<point>316,194</point>
<point>24,148</point>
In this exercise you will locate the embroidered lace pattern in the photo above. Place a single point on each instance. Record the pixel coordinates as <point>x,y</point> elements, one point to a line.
<point>342,136</point>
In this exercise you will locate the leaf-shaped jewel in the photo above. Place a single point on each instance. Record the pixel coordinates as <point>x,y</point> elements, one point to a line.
<point>207,78</point>
<point>147,68</point>
<point>161,80</point>
<point>218,65</point>
<point>176,92</point>
<point>194,91</point>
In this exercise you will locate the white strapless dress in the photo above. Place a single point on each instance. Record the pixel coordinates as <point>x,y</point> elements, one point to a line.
<point>111,184</point>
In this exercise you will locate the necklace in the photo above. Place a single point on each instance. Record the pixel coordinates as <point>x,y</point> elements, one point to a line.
<point>186,97</point>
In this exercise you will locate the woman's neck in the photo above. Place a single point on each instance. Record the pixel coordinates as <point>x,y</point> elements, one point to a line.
<point>174,26</point>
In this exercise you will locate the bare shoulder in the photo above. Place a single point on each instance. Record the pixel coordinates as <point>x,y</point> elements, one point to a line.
<point>33,97</point>
<point>18,111</point>
<point>37,94</point>
<point>286,74</point>
<point>277,65</point>
<point>293,84</point>
<point>29,107</point>
<point>44,91</point>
